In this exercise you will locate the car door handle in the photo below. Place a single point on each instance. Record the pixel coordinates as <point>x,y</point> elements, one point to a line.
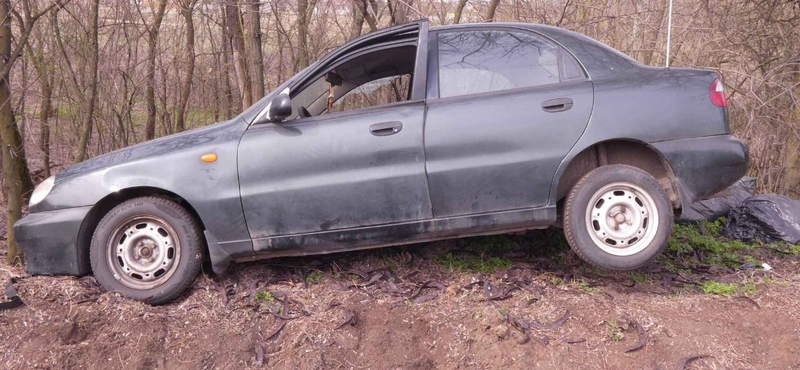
<point>386,128</point>
<point>557,105</point>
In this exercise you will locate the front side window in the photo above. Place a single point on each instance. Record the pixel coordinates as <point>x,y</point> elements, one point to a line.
<point>367,80</point>
<point>473,62</point>
<point>382,91</point>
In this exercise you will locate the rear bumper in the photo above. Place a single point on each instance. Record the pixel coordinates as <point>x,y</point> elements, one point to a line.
<point>706,165</point>
<point>50,242</point>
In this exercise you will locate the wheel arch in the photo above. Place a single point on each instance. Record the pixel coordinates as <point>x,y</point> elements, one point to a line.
<point>627,151</point>
<point>107,203</point>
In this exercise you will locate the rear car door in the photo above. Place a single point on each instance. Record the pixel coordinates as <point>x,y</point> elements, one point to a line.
<point>342,167</point>
<point>505,106</point>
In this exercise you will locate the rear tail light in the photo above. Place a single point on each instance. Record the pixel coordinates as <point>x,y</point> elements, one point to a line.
<point>718,94</point>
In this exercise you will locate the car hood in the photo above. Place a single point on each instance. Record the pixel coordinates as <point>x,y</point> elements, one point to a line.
<point>160,146</point>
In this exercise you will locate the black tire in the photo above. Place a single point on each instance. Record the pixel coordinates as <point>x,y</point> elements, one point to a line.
<point>588,244</point>
<point>184,266</point>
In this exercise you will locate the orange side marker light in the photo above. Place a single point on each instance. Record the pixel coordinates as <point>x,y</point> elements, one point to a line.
<point>209,157</point>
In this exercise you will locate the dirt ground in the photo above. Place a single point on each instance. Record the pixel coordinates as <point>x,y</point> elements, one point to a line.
<point>408,308</point>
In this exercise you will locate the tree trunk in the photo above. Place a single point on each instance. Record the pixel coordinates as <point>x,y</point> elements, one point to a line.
<point>152,42</point>
<point>358,21</point>
<point>86,132</point>
<point>46,105</point>
<point>227,90</point>
<point>492,9</point>
<point>302,32</point>
<point>254,23</point>
<point>187,8</point>
<point>44,135</point>
<point>16,176</point>
<point>459,10</point>
<point>236,36</point>
<point>364,7</point>
<point>399,10</point>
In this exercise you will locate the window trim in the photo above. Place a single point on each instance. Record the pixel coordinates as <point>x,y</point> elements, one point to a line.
<point>433,91</point>
<point>562,66</point>
<point>345,114</point>
<point>415,33</point>
<point>514,91</point>
<point>311,78</point>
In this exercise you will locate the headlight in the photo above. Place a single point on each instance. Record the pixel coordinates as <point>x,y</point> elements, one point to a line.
<point>41,191</point>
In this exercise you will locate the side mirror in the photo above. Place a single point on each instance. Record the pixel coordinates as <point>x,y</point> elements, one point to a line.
<point>280,108</point>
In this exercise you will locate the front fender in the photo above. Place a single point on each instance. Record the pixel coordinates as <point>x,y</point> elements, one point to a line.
<point>170,164</point>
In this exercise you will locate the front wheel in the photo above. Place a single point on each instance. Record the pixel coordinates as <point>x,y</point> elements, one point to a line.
<point>149,249</point>
<point>618,217</point>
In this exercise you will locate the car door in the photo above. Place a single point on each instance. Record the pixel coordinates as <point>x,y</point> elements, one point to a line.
<point>504,108</point>
<point>338,170</point>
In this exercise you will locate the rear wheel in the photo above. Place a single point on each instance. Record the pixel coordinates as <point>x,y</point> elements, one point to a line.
<point>148,249</point>
<point>618,217</point>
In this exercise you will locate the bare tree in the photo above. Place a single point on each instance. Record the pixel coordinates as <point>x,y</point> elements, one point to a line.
<point>459,11</point>
<point>17,182</point>
<point>358,20</point>
<point>305,8</point>
<point>187,10</point>
<point>152,43</point>
<point>233,21</point>
<point>365,6</point>
<point>257,55</point>
<point>489,17</point>
<point>399,10</point>
<point>94,50</point>
<point>224,75</point>
<point>46,74</point>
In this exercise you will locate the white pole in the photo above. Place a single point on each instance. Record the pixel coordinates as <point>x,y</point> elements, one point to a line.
<point>669,30</point>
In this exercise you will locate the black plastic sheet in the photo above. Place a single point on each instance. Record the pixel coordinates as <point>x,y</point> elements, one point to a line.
<point>714,208</point>
<point>768,218</point>
<point>11,299</point>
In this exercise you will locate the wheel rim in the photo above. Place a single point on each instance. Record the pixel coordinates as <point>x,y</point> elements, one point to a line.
<point>143,252</point>
<point>622,219</point>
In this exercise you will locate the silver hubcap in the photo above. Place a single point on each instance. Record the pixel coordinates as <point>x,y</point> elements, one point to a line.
<point>622,219</point>
<point>143,252</point>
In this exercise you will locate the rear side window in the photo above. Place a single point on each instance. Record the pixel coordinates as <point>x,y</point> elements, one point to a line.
<point>473,62</point>
<point>571,70</point>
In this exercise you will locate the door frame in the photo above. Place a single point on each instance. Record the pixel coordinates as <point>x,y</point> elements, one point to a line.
<point>365,43</point>
<point>432,77</point>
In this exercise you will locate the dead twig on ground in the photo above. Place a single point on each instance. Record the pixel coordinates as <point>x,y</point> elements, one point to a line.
<point>350,319</point>
<point>560,321</point>
<point>277,330</point>
<point>642,337</point>
<point>687,360</point>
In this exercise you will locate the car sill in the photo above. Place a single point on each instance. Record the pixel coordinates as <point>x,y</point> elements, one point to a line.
<point>403,233</point>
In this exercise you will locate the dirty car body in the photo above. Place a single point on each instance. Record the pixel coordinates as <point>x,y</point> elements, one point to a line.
<point>449,159</point>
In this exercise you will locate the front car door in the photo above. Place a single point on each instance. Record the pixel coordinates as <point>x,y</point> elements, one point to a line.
<point>355,161</point>
<point>505,105</point>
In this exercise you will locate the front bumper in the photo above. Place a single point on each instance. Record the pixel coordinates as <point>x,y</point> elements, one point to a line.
<point>50,242</point>
<point>706,165</point>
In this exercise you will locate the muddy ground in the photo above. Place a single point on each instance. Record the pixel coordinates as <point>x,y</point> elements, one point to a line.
<point>527,303</point>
